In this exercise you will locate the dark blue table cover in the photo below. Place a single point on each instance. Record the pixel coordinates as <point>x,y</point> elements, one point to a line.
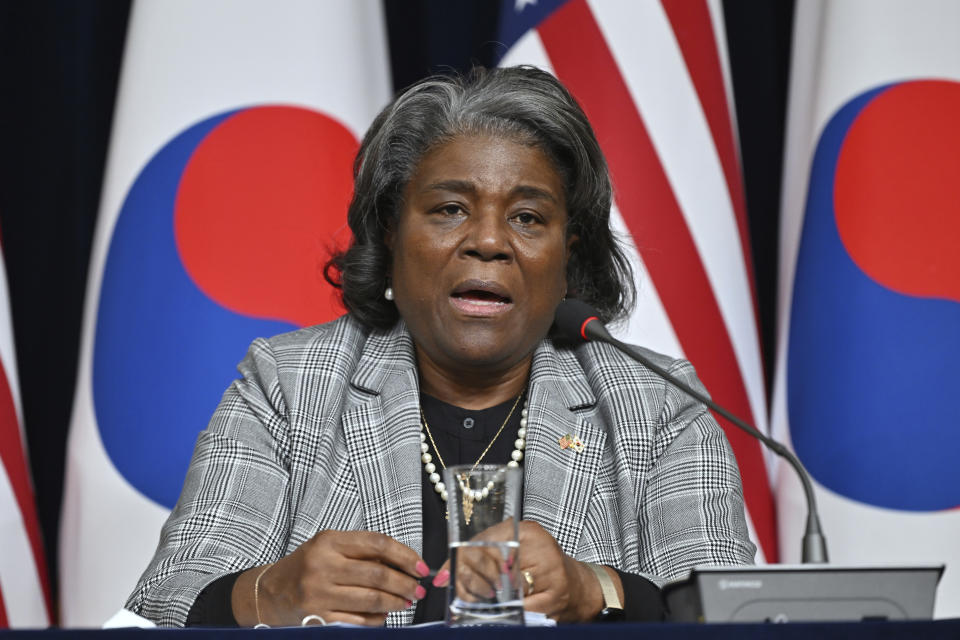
<point>927,630</point>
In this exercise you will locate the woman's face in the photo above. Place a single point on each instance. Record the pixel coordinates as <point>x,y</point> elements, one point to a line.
<point>480,253</point>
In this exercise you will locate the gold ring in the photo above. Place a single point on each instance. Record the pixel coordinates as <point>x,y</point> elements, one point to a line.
<point>528,578</point>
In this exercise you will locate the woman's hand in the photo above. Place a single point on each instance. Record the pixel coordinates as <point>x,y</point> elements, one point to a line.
<point>342,576</point>
<point>563,588</point>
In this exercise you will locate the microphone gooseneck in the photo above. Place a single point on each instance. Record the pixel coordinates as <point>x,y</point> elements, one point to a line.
<point>576,321</point>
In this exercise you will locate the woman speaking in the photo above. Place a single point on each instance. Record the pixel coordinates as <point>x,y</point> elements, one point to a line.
<point>479,204</point>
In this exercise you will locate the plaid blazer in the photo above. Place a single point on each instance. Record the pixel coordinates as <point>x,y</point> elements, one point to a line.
<point>322,432</point>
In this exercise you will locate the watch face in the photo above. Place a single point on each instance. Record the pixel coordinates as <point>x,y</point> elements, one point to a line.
<point>610,614</point>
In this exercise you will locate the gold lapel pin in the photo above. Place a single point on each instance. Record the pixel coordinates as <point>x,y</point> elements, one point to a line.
<point>572,442</point>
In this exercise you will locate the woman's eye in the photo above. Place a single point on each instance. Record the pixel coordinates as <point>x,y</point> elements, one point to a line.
<point>526,218</point>
<point>451,209</point>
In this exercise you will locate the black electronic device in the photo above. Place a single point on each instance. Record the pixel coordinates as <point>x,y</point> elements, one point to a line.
<point>804,593</point>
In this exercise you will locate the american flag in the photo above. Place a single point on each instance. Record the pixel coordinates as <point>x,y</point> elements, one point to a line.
<point>24,588</point>
<point>651,76</point>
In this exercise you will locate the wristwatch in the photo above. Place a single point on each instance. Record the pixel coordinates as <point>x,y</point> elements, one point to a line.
<point>612,608</point>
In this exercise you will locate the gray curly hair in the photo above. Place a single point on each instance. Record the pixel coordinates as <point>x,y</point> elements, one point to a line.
<point>523,104</point>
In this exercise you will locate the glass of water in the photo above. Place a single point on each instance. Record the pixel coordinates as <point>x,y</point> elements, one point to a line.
<point>484,506</point>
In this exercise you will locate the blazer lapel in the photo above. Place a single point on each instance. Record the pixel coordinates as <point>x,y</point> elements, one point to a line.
<point>383,441</point>
<point>559,480</point>
<point>383,438</point>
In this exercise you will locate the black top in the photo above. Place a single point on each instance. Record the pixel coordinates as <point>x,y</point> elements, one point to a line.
<point>461,436</point>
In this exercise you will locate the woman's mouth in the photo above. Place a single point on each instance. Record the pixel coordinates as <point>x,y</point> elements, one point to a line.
<point>487,300</point>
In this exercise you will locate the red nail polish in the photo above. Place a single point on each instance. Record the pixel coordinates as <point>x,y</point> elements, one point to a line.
<point>421,592</point>
<point>423,569</point>
<point>409,604</point>
<point>441,579</point>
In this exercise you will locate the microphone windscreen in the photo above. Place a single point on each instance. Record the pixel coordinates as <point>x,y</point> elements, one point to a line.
<point>570,318</point>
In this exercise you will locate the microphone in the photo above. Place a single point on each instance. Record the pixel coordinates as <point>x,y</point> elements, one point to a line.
<point>576,321</point>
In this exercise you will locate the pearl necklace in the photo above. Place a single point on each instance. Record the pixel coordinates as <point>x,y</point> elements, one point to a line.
<point>515,457</point>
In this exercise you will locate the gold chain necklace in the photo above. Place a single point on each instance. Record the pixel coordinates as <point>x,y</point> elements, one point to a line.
<point>430,468</point>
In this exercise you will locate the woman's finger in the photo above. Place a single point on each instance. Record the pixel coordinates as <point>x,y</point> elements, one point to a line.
<point>363,600</point>
<point>442,578</point>
<point>471,586</point>
<point>376,575</point>
<point>371,545</point>
<point>542,602</point>
<point>486,562</point>
<point>472,581</point>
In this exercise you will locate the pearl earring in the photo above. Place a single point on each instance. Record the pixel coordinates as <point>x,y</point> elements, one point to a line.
<point>388,293</point>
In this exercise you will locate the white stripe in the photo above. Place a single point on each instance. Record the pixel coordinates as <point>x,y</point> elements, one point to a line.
<point>19,577</point>
<point>639,33</point>
<point>649,324</point>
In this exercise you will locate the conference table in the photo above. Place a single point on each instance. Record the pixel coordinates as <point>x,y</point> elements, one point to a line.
<point>868,630</point>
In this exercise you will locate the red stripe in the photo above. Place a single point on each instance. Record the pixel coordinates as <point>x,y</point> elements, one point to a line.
<point>4,622</point>
<point>12,458</point>
<point>581,59</point>
<point>693,29</point>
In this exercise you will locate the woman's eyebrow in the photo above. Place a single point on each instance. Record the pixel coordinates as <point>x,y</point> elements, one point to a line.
<point>529,191</point>
<point>468,187</point>
<point>457,186</point>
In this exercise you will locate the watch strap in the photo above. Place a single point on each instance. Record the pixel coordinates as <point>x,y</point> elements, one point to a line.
<point>610,598</point>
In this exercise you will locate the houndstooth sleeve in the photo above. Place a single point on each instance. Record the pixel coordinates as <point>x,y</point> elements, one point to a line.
<point>233,512</point>
<point>692,510</point>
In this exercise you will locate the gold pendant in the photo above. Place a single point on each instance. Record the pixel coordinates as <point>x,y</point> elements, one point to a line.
<point>466,498</point>
<point>467,506</point>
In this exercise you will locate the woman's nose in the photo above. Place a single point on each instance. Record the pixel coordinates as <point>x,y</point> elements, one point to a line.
<point>488,236</point>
